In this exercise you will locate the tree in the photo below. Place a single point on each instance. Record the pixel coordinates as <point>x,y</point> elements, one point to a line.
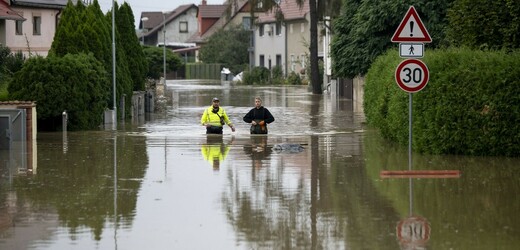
<point>364,30</point>
<point>154,57</point>
<point>131,46</point>
<point>219,49</point>
<point>315,71</point>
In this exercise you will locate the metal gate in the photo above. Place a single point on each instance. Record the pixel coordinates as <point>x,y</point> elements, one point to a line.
<point>13,138</point>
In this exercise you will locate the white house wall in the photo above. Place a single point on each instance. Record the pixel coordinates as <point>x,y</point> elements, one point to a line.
<point>298,40</point>
<point>37,44</point>
<point>173,34</point>
<point>270,46</point>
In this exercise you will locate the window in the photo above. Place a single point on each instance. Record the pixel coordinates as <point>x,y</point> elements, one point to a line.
<point>183,27</point>
<point>18,27</point>
<point>259,5</point>
<point>37,25</point>
<point>246,22</point>
<point>278,28</point>
<point>261,30</point>
<point>291,28</point>
<point>279,60</point>
<point>302,60</point>
<point>303,27</point>
<point>262,61</point>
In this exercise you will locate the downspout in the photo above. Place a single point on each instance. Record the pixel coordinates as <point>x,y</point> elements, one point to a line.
<point>286,43</point>
<point>56,21</point>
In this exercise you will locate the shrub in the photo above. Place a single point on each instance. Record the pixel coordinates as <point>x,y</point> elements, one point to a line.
<point>10,63</point>
<point>258,75</point>
<point>276,75</point>
<point>470,106</point>
<point>76,83</point>
<point>293,79</point>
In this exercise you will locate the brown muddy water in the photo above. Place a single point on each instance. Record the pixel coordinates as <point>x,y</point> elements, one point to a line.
<point>161,183</point>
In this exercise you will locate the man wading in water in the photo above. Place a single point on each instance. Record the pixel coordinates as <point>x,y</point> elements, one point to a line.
<point>259,117</point>
<point>214,118</point>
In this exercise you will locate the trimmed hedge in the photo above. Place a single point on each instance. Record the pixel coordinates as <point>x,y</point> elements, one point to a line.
<point>77,83</point>
<point>470,106</point>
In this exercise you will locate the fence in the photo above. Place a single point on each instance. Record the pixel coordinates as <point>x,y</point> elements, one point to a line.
<point>203,71</point>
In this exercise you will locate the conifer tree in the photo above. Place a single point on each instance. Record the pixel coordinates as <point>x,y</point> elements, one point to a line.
<point>133,50</point>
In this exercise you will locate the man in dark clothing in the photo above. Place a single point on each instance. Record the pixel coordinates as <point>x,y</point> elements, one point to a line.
<point>259,117</point>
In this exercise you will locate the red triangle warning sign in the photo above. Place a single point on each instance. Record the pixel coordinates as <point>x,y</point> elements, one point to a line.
<point>411,29</point>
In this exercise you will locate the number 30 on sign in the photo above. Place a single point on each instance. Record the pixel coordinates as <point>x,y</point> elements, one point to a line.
<point>412,75</point>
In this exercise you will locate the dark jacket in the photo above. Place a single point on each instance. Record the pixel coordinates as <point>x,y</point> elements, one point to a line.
<point>259,114</point>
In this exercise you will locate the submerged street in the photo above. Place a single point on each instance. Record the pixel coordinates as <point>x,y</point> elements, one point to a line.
<point>159,182</point>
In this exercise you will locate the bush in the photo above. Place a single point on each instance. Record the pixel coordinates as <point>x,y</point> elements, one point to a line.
<point>155,58</point>
<point>9,64</point>
<point>470,106</point>
<point>258,75</point>
<point>276,75</point>
<point>293,79</point>
<point>77,83</point>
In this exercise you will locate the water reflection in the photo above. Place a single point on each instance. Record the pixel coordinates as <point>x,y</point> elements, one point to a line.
<point>413,231</point>
<point>112,189</point>
<point>214,150</point>
<point>258,150</point>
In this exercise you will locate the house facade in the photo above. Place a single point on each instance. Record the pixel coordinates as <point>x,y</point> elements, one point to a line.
<point>173,28</point>
<point>284,41</point>
<point>270,43</point>
<point>32,35</point>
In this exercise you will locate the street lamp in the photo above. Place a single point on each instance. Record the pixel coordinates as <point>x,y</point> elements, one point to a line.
<point>144,19</point>
<point>114,114</point>
<point>164,46</point>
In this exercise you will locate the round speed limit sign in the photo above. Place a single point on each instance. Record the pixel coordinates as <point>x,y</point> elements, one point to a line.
<point>412,75</point>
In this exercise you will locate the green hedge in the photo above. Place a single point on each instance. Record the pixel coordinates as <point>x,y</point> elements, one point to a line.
<point>203,71</point>
<point>76,83</point>
<point>470,106</point>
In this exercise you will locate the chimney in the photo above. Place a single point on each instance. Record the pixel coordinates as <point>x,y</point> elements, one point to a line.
<point>204,2</point>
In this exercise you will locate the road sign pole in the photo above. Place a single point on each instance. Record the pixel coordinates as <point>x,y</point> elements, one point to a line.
<point>410,131</point>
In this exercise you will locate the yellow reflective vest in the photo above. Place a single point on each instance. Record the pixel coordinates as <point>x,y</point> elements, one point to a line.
<point>208,117</point>
<point>214,152</point>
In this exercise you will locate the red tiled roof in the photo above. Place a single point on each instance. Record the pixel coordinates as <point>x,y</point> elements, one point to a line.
<point>7,13</point>
<point>18,103</point>
<point>290,10</point>
<point>212,10</point>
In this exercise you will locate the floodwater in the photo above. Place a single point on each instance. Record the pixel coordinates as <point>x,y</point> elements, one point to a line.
<point>161,183</point>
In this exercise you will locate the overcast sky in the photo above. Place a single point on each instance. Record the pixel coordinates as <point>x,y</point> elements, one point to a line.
<point>139,6</point>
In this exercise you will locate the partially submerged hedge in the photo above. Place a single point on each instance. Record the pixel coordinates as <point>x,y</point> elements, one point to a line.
<point>76,83</point>
<point>470,106</point>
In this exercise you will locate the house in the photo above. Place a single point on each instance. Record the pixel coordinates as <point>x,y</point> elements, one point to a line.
<point>210,21</point>
<point>282,37</point>
<point>232,15</point>
<point>33,33</point>
<point>173,29</point>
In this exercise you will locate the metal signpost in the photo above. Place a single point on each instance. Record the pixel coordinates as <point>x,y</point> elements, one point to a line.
<point>411,75</point>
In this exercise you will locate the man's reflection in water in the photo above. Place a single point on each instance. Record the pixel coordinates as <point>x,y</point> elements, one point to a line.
<point>258,150</point>
<point>215,150</point>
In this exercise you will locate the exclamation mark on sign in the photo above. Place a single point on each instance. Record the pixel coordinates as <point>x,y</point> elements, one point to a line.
<point>411,28</point>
